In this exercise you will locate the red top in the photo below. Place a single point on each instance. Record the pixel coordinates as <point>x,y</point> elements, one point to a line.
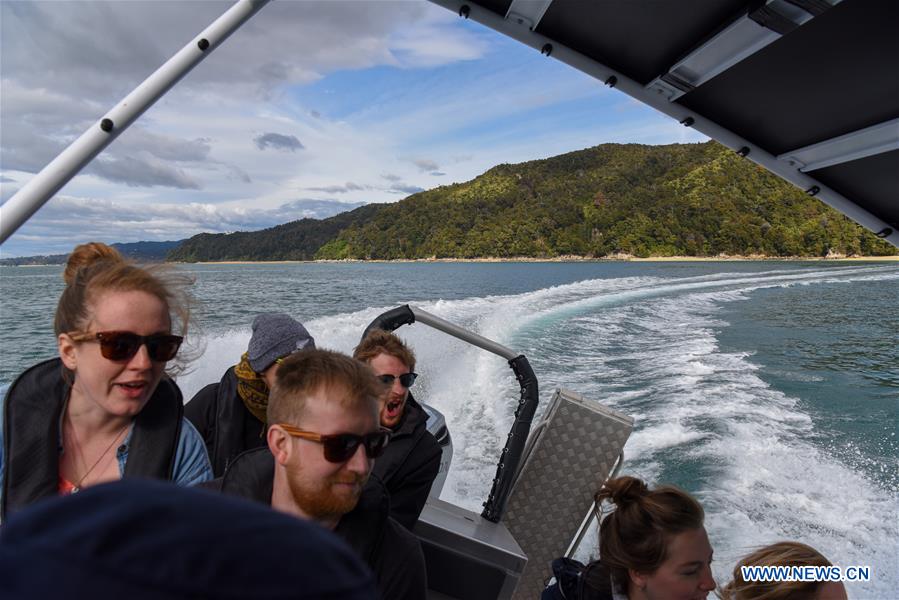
<point>66,487</point>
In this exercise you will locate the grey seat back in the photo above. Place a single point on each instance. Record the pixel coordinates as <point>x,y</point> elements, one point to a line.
<point>570,453</point>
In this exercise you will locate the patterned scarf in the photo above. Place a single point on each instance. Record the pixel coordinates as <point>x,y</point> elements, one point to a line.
<point>251,388</point>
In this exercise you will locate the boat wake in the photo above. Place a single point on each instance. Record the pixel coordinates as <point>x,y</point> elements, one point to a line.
<point>648,346</point>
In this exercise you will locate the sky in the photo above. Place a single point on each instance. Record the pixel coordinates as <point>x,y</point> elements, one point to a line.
<point>310,109</point>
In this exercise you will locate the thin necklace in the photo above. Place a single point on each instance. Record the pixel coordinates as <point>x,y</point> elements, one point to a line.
<point>77,486</point>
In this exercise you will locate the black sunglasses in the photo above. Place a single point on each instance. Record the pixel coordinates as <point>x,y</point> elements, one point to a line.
<point>340,447</point>
<point>122,345</point>
<point>406,379</point>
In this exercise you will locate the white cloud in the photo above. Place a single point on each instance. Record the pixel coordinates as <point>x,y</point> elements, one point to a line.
<point>349,186</point>
<point>436,44</point>
<point>399,188</point>
<point>103,48</point>
<point>42,107</point>
<point>60,74</point>
<point>409,98</point>
<point>164,147</point>
<point>143,171</point>
<point>117,221</point>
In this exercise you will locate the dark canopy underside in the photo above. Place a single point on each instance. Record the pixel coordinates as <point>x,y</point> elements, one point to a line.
<point>813,95</point>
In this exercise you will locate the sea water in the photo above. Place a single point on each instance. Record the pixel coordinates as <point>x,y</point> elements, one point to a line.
<point>770,390</point>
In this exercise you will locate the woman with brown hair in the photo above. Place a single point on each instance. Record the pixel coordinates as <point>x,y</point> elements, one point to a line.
<point>652,546</point>
<point>105,408</point>
<point>786,554</point>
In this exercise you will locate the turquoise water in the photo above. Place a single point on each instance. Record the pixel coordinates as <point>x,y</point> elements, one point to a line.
<point>769,389</point>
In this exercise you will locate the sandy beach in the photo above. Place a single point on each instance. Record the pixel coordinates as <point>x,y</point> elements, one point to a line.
<point>619,258</point>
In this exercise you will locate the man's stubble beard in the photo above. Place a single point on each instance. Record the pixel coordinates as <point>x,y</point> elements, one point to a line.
<point>321,501</point>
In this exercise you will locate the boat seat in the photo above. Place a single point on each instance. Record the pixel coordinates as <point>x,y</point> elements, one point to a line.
<point>467,557</point>
<point>570,454</point>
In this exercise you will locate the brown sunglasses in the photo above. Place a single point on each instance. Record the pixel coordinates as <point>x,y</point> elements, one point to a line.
<point>123,345</point>
<point>340,447</point>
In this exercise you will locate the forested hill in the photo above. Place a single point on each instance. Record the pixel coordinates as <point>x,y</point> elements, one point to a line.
<point>679,199</point>
<point>297,240</point>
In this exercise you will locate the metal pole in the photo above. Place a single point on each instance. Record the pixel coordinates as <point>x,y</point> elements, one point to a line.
<point>55,175</point>
<point>463,334</point>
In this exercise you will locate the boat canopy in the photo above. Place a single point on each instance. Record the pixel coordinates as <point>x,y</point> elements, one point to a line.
<point>808,89</point>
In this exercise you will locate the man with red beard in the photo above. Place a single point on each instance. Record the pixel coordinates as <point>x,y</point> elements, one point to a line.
<point>412,460</point>
<point>323,436</point>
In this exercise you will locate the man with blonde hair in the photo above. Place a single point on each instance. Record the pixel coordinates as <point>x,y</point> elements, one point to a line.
<point>323,437</point>
<point>412,461</point>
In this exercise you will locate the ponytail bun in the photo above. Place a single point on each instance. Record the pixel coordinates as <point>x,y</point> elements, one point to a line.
<point>623,490</point>
<point>86,255</point>
<point>635,536</point>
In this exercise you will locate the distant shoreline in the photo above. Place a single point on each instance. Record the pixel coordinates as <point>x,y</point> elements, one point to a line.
<point>526,259</point>
<point>564,259</point>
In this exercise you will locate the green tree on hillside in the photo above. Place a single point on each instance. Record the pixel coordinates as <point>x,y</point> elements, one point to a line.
<point>679,199</point>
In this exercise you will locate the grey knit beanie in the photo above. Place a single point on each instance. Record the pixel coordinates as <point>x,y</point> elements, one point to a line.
<point>275,335</point>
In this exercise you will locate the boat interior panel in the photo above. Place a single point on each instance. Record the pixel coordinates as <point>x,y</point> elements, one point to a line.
<point>500,7</point>
<point>467,557</point>
<point>811,85</point>
<point>873,181</point>
<point>618,33</point>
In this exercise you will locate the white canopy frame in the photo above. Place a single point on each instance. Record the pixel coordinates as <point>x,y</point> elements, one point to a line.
<point>40,188</point>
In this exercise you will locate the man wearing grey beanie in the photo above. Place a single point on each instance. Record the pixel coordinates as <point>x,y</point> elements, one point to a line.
<point>230,414</point>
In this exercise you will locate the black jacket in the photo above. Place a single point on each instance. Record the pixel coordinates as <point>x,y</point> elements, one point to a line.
<point>390,550</point>
<point>226,425</point>
<point>576,581</point>
<point>409,465</point>
<point>32,414</point>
